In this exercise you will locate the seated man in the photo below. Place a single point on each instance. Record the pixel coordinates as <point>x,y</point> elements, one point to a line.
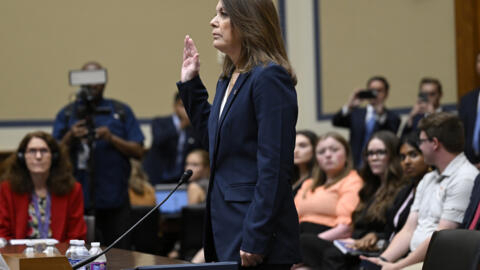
<point>442,195</point>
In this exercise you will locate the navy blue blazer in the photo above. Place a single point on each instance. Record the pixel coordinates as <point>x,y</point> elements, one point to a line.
<point>249,203</point>
<point>355,121</point>
<point>472,206</point>
<point>160,160</point>
<point>467,111</point>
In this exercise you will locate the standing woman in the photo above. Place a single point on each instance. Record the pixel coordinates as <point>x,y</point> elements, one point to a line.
<point>39,197</point>
<point>249,131</point>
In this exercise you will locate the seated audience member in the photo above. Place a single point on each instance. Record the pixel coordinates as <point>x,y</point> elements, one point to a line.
<point>173,138</point>
<point>442,195</point>
<point>429,95</point>
<point>39,197</point>
<point>303,158</point>
<point>382,176</point>
<point>325,203</point>
<point>469,113</point>
<point>472,214</point>
<point>140,192</point>
<point>414,168</point>
<point>363,122</point>
<point>198,162</point>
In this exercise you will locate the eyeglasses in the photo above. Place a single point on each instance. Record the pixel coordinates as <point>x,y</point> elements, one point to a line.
<point>33,152</point>
<point>379,153</point>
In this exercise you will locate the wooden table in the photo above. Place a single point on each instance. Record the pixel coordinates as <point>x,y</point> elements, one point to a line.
<point>117,259</point>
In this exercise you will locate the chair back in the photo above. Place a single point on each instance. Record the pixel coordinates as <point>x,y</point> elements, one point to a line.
<point>453,249</point>
<point>144,238</point>
<point>191,237</point>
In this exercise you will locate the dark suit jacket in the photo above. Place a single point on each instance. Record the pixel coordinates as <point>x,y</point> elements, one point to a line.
<point>472,206</point>
<point>249,202</point>
<point>355,121</point>
<point>467,111</point>
<point>416,119</point>
<point>160,160</point>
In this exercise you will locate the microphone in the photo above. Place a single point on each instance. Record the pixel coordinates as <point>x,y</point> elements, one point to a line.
<point>183,179</point>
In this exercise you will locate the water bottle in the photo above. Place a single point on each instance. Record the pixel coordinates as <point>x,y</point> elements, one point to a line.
<point>81,253</point>
<point>29,250</point>
<point>101,262</point>
<point>51,250</point>
<point>70,253</point>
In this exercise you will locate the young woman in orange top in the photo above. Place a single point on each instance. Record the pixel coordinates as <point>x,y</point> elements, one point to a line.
<point>325,203</point>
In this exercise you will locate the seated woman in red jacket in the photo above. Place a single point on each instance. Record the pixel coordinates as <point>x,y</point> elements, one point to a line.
<point>39,197</point>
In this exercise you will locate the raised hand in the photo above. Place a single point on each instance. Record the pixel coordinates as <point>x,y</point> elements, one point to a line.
<point>191,62</point>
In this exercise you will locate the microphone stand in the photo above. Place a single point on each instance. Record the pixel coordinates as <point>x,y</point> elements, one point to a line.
<point>186,175</point>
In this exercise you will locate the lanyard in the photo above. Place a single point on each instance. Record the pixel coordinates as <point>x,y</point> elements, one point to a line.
<point>42,226</point>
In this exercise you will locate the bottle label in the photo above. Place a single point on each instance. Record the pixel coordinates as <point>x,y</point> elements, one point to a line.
<point>73,261</point>
<point>98,266</point>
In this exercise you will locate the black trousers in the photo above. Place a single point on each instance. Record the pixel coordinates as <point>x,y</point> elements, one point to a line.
<point>312,228</point>
<point>111,223</point>
<point>321,254</point>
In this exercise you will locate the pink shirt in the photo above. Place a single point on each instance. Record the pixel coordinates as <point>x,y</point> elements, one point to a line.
<point>329,206</point>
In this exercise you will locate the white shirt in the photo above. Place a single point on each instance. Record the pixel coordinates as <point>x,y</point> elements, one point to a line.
<point>224,100</point>
<point>444,196</point>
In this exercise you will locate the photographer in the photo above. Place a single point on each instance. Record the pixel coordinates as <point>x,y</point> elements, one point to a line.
<point>429,95</point>
<point>101,135</point>
<point>363,122</point>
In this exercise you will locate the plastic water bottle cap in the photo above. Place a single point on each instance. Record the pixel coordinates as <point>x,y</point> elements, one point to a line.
<point>51,242</point>
<point>73,241</point>
<point>81,242</point>
<point>95,244</point>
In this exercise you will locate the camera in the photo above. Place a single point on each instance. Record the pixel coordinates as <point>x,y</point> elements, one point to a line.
<point>423,97</point>
<point>367,94</point>
<point>89,81</point>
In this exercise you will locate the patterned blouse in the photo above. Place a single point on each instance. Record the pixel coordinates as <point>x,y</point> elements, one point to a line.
<point>33,223</point>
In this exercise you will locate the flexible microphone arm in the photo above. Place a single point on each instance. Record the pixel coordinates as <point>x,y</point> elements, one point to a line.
<point>186,175</point>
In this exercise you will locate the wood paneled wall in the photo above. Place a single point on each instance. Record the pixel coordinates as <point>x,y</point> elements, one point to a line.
<point>467,24</point>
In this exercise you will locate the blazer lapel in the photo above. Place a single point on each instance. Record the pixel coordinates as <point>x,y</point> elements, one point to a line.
<point>222,86</point>
<point>233,94</point>
<point>214,114</point>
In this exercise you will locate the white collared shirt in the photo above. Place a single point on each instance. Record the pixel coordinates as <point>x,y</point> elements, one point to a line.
<point>442,196</point>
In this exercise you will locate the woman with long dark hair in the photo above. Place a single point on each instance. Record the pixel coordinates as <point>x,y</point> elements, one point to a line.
<point>39,197</point>
<point>303,157</point>
<point>249,131</point>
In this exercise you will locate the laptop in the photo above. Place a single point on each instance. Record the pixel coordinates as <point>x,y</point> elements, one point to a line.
<point>173,206</point>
